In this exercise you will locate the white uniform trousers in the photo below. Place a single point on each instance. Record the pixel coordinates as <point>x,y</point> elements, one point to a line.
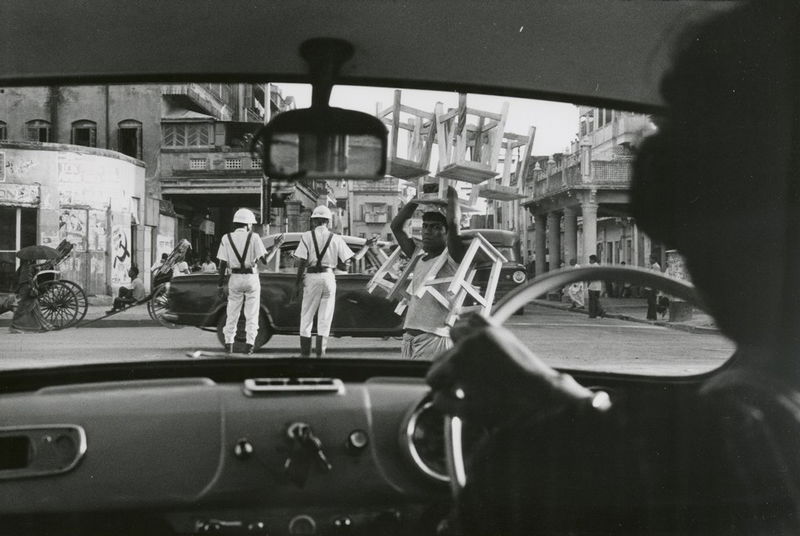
<point>243,288</point>
<point>319,297</point>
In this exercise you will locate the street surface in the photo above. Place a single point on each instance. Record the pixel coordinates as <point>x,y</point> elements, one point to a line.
<point>564,339</point>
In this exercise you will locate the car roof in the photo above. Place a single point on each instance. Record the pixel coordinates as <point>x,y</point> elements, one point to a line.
<point>498,237</point>
<point>600,50</point>
<point>292,238</point>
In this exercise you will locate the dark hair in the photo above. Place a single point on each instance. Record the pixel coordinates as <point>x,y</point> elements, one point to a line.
<point>434,217</point>
<point>135,270</point>
<point>592,258</point>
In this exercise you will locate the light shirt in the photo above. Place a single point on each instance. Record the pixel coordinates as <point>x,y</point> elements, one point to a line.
<point>338,250</point>
<point>427,313</point>
<point>180,268</point>
<point>255,250</point>
<point>137,288</point>
<point>209,267</point>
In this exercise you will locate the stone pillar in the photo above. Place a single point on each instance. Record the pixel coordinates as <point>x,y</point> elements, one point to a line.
<point>554,239</point>
<point>293,216</point>
<point>540,242</point>
<point>570,235</point>
<point>589,211</point>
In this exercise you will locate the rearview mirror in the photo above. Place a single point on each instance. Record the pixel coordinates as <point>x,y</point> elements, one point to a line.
<point>324,143</point>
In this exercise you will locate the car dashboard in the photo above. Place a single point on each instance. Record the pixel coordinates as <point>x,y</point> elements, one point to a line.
<point>240,450</point>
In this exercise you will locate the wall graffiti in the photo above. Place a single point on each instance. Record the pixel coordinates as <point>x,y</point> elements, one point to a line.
<point>120,255</point>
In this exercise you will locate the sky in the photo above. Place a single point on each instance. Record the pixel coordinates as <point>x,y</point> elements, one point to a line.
<point>556,123</point>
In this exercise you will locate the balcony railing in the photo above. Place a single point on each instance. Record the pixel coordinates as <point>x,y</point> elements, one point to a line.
<point>604,173</point>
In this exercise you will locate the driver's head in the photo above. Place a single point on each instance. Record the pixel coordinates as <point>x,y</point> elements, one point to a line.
<point>714,182</point>
<point>434,231</point>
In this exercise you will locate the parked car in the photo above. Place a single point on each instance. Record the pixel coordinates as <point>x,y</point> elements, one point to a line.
<point>194,301</point>
<point>513,273</point>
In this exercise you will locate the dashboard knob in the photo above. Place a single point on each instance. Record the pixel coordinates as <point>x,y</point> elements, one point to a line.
<point>357,441</point>
<point>243,449</point>
<point>342,525</point>
<point>302,524</point>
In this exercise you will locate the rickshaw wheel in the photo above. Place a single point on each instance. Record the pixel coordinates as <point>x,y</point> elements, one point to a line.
<point>158,305</point>
<point>58,304</point>
<point>83,302</point>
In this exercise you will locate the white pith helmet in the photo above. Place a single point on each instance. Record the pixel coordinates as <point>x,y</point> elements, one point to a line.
<point>321,212</point>
<point>244,215</point>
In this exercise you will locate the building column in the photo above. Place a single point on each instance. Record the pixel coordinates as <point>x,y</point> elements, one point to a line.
<point>554,239</point>
<point>540,242</point>
<point>589,211</point>
<point>570,234</point>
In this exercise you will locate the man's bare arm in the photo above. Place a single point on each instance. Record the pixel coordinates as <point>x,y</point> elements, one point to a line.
<point>455,247</point>
<point>398,223</point>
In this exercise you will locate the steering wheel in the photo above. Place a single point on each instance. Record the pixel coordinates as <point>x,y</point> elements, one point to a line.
<point>505,308</point>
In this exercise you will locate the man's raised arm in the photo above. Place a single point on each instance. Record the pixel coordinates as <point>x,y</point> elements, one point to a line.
<point>398,223</point>
<point>455,247</point>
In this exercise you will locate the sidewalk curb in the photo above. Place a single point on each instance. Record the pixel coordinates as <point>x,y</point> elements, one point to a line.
<point>621,316</point>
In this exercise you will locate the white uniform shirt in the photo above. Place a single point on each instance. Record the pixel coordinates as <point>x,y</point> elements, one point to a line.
<point>338,250</point>
<point>239,236</point>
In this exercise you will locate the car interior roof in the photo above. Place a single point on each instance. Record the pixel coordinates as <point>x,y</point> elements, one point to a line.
<point>608,51</point>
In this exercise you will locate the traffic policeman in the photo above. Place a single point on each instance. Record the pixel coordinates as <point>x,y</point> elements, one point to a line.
<point>319,252</point>
<point>239,253</point>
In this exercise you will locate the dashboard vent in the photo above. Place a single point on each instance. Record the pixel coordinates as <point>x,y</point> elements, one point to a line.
<point>260,386</point>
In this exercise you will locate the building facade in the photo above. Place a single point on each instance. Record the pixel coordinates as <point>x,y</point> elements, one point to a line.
<point>578,202</point>
<point>91,197</point>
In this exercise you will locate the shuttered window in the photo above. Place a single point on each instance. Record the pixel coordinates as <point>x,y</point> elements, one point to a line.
<point>187,134</point>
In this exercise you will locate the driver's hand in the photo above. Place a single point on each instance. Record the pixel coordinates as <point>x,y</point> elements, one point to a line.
<point>491,378</point>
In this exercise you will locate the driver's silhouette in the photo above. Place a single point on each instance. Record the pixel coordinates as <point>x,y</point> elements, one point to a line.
<point>719,182</point>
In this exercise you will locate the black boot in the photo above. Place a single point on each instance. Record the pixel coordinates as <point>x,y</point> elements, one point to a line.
<point>305,346</point>
<point>322,346</point>
<point>229,348</point>
<point>248,349</point>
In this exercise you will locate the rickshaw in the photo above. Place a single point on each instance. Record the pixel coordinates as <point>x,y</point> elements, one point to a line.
<point>157,301</point>
<point>62,302</point>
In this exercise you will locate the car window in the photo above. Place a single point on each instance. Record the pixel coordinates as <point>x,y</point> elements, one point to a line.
<point>125,189</point>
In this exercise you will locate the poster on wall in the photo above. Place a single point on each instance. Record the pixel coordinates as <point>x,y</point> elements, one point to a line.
<point>98,230</point>
<point>72,227</point>
<point>166,235</point>
<point>120,254</point>
<point>676,266</point>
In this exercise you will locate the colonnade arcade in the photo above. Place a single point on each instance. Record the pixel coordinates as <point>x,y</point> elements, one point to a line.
<point>572,218</point>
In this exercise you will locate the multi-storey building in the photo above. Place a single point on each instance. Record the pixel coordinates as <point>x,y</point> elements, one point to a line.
<point>371,207</point>
<point>124,171</point>
<point>578,201</point>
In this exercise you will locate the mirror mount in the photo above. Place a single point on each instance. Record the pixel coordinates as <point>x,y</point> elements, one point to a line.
<point>322,142</point>
<point>325,57</point>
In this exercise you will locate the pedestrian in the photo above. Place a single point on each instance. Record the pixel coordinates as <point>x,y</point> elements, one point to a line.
<point>181,268</point>
<point>27,315</point>
<point>651,293</point>
<point>595,288</point>
<point>129,295</point>
<point>425,330</point>
<point>575,290</point>
<point>208,266</point>
<point>319,252</point>
<point>626,286</point>
<point>239,253</point>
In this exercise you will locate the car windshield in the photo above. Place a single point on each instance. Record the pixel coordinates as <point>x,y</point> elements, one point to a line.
<point>131,192</point>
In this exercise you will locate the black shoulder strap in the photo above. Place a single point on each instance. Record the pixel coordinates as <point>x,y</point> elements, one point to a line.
<point>316,247</point>
<point>240,258</point>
